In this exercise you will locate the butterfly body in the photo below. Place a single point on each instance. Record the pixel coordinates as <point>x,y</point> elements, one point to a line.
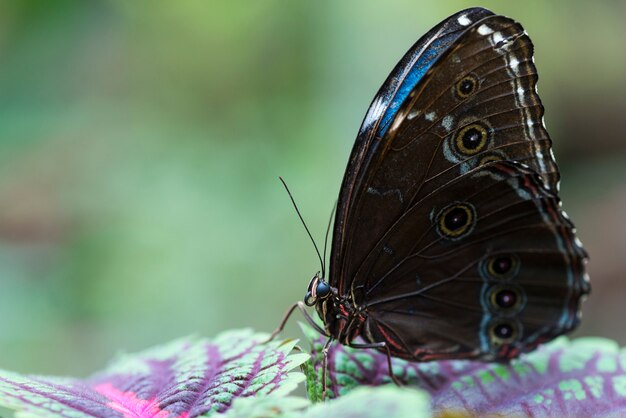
<point>449,239</point>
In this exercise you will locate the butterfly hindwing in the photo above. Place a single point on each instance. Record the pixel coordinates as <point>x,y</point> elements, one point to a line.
<point>435,291</point>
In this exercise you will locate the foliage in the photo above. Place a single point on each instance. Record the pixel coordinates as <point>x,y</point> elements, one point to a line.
<point>235,375</point>
<point>186,378</point>
<point>582,377</point>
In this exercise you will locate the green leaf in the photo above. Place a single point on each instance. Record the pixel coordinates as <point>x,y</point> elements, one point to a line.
<point>266,407</point>
<point>384,401</point>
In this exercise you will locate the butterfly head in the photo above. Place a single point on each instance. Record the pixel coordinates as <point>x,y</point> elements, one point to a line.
<point>318,290</point>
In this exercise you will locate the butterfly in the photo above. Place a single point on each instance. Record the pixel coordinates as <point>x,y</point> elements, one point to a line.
<point>449,240</point>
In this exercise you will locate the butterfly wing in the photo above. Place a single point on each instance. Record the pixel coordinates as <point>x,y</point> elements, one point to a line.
<point>476,104</point>
<point>485,267</point>
<point>400,83</point>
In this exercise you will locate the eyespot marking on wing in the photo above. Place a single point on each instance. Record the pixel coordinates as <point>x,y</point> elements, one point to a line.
<point>466,86</point>
<point>500,267</point>
<point>503,332</point>
<point>505,299</point>
<point>456,220</point>
<point>471,139</point>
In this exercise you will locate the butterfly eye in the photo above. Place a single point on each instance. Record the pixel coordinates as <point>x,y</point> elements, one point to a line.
<point>322,291</point>
<point>471,139</point>
<point>501,267</point>
<point>503,332</point>
<point>466,86</point>
<point>456,220</point>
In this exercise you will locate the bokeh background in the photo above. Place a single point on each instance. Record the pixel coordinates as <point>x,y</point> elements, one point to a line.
<point>141,144</point>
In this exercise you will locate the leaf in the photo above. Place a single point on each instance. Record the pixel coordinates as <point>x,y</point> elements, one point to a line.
<point>385,401</point>
<point>363,402</point>
<point>186,378</point>
<point>582,377</point>
<point>265,407</point>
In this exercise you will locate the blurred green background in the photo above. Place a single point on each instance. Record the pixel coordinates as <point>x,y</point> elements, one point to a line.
<point>140,145</point>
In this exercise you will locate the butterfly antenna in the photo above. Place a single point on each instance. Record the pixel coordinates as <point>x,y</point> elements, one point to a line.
<point>304,224</point>
<point>330,221</point>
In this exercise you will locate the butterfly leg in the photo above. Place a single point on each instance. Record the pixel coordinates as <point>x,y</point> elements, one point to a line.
<point>325,366</point>
<point>300,305</point>
<point>384,345</point>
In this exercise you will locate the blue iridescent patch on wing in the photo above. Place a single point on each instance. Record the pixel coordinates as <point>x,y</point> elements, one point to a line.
<point>415,74</point>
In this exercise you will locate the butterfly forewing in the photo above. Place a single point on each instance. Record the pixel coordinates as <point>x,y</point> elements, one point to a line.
<point>400,83</point>
<point>483,87</point>
<point>426,162</point>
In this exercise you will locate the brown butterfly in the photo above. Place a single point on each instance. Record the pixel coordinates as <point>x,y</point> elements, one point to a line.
<point>449,238</point>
